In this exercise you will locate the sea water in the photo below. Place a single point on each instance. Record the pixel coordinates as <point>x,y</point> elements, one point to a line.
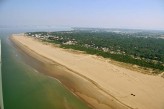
<point>25,88</point>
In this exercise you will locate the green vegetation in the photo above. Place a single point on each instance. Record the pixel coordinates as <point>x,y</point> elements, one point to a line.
<point>140,48</point>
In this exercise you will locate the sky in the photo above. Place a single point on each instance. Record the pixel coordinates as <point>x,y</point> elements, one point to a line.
<point>132,14</point>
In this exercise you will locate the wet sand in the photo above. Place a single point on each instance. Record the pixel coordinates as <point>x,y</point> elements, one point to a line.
<point>98,82</point>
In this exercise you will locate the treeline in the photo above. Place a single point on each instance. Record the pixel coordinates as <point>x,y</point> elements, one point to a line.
<point>125,47</point>
<point>143,47</point>
<point>117,57</point>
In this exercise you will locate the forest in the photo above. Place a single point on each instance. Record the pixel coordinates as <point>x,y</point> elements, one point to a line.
<point>139,48</point>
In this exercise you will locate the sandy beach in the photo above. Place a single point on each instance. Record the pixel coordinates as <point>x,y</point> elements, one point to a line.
<point>97,81</point>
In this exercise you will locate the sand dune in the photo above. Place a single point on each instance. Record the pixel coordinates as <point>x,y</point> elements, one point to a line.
<point>130,88</point>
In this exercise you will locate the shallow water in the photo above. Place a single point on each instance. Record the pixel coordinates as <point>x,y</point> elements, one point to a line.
<point>26,88</point>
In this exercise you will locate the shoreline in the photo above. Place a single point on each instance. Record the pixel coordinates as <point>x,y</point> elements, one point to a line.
<point>85,94</point>
<point>93,91</point>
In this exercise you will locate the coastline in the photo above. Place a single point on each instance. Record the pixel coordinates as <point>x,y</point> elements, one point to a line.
<point>121,88</point>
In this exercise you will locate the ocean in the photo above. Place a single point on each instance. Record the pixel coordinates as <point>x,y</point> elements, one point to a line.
<point>24,87</point>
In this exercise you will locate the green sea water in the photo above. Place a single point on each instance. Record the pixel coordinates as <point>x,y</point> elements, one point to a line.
<point>25,88</point>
